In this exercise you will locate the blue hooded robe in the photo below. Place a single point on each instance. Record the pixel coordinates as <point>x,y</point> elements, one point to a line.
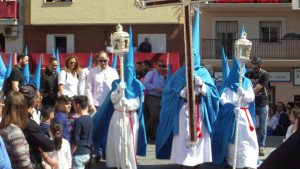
<point>134,88</point>
<point>172,102</point>
<point>226,121</point>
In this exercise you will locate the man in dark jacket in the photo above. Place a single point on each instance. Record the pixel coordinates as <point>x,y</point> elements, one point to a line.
<point>33,133</point>
<point>49,84</point>
<point>16,78</point>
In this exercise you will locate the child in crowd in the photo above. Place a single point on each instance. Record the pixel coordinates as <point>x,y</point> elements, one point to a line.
<point>47,116</point>
<point>62,152</point>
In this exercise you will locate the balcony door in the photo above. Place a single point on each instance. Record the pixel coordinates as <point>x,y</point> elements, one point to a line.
<point>226,34</point>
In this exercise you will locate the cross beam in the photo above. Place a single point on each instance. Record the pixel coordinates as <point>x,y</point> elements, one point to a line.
<point>188,42</point>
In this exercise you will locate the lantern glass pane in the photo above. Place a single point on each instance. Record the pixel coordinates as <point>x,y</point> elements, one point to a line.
<point>245,52</point>
<point>116,45</point>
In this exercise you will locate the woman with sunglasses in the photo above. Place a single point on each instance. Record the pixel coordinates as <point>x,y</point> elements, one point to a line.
<point>68,77</point>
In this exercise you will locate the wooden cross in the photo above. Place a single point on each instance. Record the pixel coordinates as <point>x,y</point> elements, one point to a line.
<point>188,42</point>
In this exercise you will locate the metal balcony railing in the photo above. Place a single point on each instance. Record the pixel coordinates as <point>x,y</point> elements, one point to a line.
<point>279,49</point>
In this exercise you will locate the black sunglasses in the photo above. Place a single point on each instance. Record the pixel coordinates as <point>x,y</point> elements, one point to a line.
<point>102,61</point>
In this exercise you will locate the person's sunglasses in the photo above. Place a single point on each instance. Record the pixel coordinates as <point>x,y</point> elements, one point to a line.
<point>102,61</point>
<point>161,65</point>
<point>54,65</point>
<point>72,62</point>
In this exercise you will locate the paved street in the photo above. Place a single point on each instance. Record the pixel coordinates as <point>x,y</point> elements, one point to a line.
<point>150,162</point>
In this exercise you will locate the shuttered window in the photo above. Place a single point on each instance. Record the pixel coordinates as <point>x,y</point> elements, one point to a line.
<point>270,31</point>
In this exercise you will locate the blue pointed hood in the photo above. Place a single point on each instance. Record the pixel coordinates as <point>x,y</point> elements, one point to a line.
<point>26,50</point>
<point>2,71</point>
<point>36,79</point>
<point>243,28</point>
<point>196,42</point>
<point>129,70</point>
<point>114,62</point>
<point>90,60</point>
<point>53,53</point>
<point>26,71</point>
<point>225,67</point>
<point>8,69</point>
<point>58,65</point>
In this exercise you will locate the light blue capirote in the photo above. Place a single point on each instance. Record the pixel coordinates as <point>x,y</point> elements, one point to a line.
<point>58,65</point>
<point>225,67</point>
<point>26,71</point>
<point>114,62</point>
<point>172,102</point>
<point>36,79</point>
<point>134,88</point>
<point>90,60</point>
<point>2,71</point>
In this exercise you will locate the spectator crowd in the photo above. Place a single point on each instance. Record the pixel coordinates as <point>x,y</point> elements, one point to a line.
<point>52,127</point>
<point>58,131</point>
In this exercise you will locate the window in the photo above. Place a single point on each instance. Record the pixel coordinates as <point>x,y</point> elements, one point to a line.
<point>226,34</point>
<point>269,31</point>
<point>63,42</point>
<point>157,41</point>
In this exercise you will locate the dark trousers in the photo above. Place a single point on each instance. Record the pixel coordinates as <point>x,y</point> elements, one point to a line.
<point>153,104</point>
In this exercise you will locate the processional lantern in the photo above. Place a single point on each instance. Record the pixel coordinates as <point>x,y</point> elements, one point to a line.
<point>120,40</point>
<point>243,48</point>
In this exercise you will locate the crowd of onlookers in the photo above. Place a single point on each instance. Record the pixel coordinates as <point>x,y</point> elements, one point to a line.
<point>283,119</point>
<point>58,130</point>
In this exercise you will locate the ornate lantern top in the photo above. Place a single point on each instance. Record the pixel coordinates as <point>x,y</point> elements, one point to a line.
<point>120,40</point>
<point>243,48</point>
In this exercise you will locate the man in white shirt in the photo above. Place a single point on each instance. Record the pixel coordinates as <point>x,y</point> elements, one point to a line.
<point>84,75</point>
<point>99,81</point>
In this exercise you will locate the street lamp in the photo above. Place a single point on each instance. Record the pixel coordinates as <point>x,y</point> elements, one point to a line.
<point>120,45</point>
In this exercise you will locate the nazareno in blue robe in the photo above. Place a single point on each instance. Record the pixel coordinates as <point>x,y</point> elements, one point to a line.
<point>172,103</point>
<point>134,88</point>
<point>226,121</point>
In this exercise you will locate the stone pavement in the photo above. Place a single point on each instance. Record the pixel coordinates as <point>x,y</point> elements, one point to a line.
<point>150,162</point>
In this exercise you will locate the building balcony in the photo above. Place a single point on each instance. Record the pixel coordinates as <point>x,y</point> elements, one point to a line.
<point>8,12</point>
<point>279,49</point>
